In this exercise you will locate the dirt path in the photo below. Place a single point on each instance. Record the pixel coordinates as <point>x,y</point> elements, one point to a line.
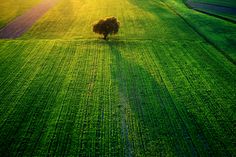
<point>22,23</point>
<point>211,7</point>
<point>125,129</point>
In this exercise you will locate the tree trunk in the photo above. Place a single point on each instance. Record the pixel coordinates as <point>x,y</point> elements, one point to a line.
<point>105,36</point>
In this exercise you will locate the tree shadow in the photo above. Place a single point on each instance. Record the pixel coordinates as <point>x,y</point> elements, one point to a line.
<point>143,108</point>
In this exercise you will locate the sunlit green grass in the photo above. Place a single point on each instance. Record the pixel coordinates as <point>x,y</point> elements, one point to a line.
<point>139,20</point>
<point>158,88</point>
<point>72,97</point>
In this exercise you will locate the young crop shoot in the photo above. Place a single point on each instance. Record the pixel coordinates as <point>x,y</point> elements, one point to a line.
<point>109,25</point>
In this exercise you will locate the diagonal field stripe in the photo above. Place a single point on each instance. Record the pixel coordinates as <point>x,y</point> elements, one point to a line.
<point>22,23</point>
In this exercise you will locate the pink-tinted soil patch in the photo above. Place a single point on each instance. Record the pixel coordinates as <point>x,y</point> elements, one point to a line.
<point>22,23</point>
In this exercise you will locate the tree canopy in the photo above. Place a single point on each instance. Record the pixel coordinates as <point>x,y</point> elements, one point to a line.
<point>109,25</point>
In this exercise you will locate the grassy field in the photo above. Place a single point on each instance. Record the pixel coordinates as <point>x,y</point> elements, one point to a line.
<point>219,33</point>
<point>10,9</point>
<point>162,87</point>
<point>228,16</point>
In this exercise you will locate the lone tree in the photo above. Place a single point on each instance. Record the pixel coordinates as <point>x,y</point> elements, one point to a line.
<point>109,25</point>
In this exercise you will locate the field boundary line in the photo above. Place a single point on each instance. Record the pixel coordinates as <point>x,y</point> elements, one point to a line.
<point>190,6</point>
<point>201,34</point>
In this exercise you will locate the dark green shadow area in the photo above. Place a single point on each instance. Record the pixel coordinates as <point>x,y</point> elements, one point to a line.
<point>169,110</point>
<point>152,109</point>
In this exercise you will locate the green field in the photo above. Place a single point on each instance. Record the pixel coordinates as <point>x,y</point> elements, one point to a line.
<point>165,85</point>
<point>225,15</point>
<point>219,33</point>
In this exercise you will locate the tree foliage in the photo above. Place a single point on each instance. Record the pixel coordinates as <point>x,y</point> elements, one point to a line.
<point>109,25</point>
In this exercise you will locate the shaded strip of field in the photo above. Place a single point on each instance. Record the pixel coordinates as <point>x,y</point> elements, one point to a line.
<point>213,9</point>
<point>22,23</point>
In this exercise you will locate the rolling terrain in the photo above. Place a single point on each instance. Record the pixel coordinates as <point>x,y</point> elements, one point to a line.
<point>164,86</point>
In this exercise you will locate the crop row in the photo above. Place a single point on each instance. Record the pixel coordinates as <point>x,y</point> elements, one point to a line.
<point>115,98</point>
